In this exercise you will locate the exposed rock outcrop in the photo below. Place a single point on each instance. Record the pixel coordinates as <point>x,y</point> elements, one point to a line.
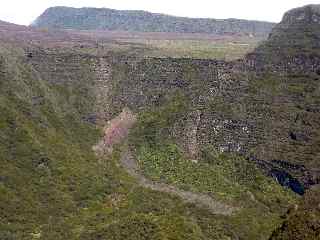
<point>116,131</point>
<point>265,107</point>
<point>293,45</point>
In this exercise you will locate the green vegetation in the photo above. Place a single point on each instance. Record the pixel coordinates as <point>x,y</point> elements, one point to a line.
<point>48,170</point>
<point>296,36</point>
<point>52,186</point>
<point>141,21</point>
<point>227,177</point>
<point>302,222</point>
<point>198,49</point>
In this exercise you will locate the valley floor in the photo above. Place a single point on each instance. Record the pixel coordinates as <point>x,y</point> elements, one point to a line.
<point>215,207</point>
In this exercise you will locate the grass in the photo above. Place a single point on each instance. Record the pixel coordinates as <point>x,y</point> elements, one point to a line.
<point>228,177</point>
<point>48,169</point>
<point>224,49</point>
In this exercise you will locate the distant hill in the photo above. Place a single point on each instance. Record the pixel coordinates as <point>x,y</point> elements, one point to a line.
<point>141,21</point>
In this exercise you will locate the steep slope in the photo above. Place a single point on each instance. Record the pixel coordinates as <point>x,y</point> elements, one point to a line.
<point>50,97</point>
<point>286,83</point>
<point>265,108</point>
<point>141,21</point>
<point>54,187</point>
<point>295,41</point>
<point>203,127</point>
<point>303,221</point>
<point>48,171</point>
<point>155,91</point>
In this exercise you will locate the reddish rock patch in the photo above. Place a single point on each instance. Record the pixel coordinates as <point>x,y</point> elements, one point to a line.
<point>116,131</point>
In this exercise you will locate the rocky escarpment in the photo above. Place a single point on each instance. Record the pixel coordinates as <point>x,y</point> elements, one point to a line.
<point>293,45</point>
<point>200,94</point>
<point>141,21</point>
<point>224,104</point>
<point>269,118</point>
<point>288,65</point>
<point>201,128</point>
<point>299,21</point>
<point>265,108</point>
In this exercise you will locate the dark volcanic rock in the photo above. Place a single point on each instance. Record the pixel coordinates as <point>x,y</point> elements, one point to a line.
<point>293,45</point>
<point>266,108</point>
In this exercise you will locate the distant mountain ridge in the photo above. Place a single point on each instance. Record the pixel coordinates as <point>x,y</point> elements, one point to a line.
<point>142,21</point>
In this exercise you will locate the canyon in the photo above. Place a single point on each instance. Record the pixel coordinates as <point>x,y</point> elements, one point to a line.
<point>128,146</point>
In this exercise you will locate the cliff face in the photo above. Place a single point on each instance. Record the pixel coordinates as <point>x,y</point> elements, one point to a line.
<point>299,21</point>
<point>141,21</point>
<point>270,118</point>
<point>201,125</point>
<point>293,44</point>
<point>289,63</point>
<point>264,108</point>
<point>191,116</point>
<point>49,100</point>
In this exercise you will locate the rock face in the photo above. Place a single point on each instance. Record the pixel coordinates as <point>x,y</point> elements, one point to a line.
<point>116,131</point>
<point>141,21</point>
<point>288,63</point>
<point>307,15</point>
<point>294,43</point>
<point>49,96</point>
<point>227,109</point>
<point>265,107</point>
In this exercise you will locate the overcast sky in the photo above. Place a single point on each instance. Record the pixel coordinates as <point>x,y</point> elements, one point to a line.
<point>25,11</point>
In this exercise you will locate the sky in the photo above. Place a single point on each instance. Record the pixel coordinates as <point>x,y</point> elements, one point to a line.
<point>25,11</point>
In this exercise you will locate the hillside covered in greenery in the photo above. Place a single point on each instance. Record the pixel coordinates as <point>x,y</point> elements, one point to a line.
<point>53,186</point>
<point>99,143</point>
<point>141,21</point>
